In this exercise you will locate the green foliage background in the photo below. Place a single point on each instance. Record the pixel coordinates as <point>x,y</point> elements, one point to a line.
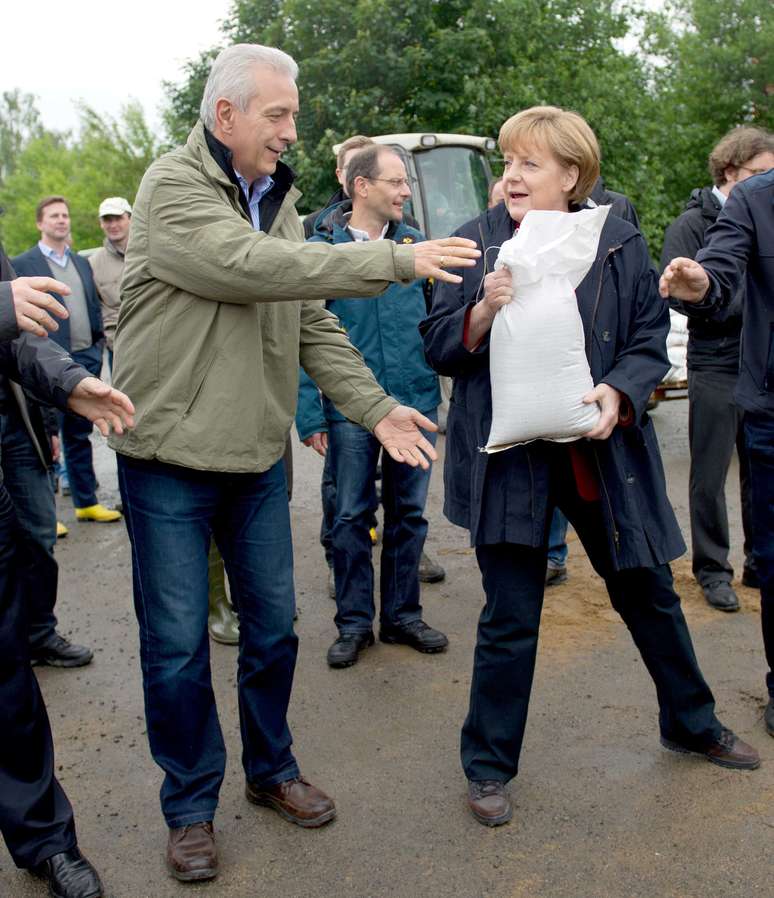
<point>106,158</point>
<point>690,72</point>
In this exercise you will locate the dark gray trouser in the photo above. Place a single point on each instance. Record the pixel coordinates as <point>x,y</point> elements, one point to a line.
<point>715,426</point>
<point>36,819</point>
<point>506,645</point>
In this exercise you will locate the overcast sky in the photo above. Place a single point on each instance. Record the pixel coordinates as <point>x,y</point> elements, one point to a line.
<point>100,52</point>
<point>106,53</point>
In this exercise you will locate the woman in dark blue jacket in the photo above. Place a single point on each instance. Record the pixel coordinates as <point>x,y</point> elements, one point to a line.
<point>610,484</point>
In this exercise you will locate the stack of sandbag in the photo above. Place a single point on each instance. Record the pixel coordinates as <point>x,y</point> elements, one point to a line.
<point>677,348</point>
<point>538,365</point>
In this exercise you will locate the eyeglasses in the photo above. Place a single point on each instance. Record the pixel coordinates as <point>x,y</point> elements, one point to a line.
<point>394,182</point>
<point>753,171</point>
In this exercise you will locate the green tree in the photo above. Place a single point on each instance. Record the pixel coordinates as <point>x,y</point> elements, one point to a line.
<point>107,158</point>
<point>714,70</point>
<point>376,66</point>
<point>19,124</point>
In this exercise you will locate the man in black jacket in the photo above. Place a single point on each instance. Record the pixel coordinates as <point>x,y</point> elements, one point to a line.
<point>739,249</point>
<point>26,459</point>
<point>36,818</point>
<point>715,421</point>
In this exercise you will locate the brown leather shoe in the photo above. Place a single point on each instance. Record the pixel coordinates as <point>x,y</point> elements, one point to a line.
<point>296,800</point>
<point>727,751</point>
<point>191,852</point>
<point>489,802</point>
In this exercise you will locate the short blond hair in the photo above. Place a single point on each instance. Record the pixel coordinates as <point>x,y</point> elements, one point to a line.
<point>567,135</point>
<point>356,142</point>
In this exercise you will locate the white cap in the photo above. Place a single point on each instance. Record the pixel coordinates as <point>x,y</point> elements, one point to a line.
<point>114,205</point>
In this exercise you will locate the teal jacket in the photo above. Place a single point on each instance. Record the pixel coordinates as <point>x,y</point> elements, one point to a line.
<point>384,329</point>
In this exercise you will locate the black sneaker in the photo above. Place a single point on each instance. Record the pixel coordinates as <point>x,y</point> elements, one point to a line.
<point>430,571</point>
<point>60,652</point>
<point>720,594</point>
<point>345,650</point>
<point>417,634</point>
<point>750,578</point>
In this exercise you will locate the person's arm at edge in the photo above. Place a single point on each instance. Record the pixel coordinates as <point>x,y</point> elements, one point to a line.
<point>9,329</point>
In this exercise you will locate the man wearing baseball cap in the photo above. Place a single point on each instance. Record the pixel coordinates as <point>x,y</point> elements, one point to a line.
<point>107,263</point>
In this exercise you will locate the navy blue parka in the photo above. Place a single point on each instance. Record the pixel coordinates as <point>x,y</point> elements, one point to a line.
<point>626,324</point>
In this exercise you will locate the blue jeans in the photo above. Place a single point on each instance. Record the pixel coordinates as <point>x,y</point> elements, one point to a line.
<point>76,433</point>
<point>171,514</point>
<point>557,540</point>
<point>354,456</point>
<point>31,490</point>
<point>759,435</point>
<point>328,498</point>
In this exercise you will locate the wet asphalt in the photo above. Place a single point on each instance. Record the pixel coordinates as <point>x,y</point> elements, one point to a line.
<point>600,808</point>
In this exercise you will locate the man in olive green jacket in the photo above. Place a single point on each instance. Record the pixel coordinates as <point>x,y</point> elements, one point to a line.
<point>218,310</point>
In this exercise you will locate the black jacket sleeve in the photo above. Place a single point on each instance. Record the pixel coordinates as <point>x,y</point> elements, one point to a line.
<point>444,328</point>
<point>42,367</point>
<point>9,330</point>
<point>729,244</point>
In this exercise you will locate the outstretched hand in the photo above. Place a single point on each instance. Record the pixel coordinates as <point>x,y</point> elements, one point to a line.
<point>102,405</point>
<point>401,437</point>
<point>684,279</point>
<point>432,257</point>
<point>32,304</point>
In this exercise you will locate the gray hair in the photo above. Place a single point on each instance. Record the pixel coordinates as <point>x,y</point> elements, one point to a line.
<point>232,76</point>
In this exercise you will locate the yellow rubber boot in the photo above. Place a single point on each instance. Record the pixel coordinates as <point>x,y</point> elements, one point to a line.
<point>223,622</point>
<point>61,530</point>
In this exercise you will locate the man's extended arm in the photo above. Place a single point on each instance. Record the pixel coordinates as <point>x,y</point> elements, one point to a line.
<point>719,270</point>
<point>203,248</point>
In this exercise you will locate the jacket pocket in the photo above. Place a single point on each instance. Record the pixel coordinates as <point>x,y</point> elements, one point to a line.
<point>199,387</point>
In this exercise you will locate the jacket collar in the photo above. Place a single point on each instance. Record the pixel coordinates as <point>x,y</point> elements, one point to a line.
<point>112,249</point>
<point>335,219</point>
<point>217,160</point>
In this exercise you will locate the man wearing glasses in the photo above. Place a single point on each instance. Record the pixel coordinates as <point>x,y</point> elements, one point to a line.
<point>385,331</point>
<point>715,419</point>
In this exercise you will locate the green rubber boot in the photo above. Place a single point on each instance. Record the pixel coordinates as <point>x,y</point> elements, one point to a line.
<point>223,622</point>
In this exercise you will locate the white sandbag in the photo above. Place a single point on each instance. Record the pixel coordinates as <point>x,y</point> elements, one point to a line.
<point>677,348</point>
<point>537,358</point>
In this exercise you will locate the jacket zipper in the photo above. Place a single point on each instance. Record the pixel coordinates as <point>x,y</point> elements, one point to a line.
<point>611,250</point>
<point>616,534</point>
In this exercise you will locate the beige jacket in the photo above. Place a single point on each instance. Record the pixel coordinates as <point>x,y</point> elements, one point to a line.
<point>107,266</point>
<point>216,317</point>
